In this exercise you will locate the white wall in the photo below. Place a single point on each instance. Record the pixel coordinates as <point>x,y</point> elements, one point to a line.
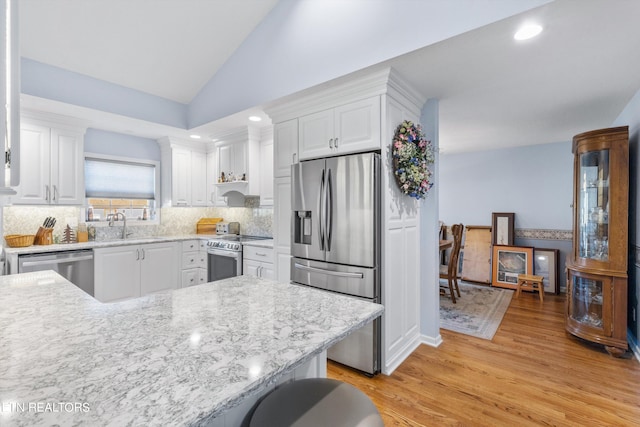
<point>118,144</point>
<point>535,182</point>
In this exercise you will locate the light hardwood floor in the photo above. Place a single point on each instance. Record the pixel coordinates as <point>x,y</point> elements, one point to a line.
<point>532,373</point>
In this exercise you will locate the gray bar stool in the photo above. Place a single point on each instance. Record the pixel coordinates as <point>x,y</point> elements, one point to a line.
<point>316,402</point>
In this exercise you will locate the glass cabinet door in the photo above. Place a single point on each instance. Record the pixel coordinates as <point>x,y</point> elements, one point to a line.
<point>586,301</point>
<point>593,208</point>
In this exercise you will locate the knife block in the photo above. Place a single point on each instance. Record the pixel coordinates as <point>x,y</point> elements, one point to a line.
<point>44,236</point>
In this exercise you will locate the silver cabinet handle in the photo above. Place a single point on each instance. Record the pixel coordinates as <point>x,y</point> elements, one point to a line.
<point>137,254</point>
<point>260,271</point>
<point>293,157</point>
<point>335,143</point>
<point>55,191</point>
<point>261,254</point>
<point>331,143</point>
<point>46,193</point>
<point>142,253</point>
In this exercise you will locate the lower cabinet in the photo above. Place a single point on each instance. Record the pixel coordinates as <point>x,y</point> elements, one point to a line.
<point>258,261</point>
<point>124,272</point>
<point>194,263</point>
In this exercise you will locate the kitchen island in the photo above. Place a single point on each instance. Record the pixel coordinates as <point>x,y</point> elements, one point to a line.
<point>193,356</point>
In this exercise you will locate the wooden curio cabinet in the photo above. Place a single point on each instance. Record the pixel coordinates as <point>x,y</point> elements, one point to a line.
<point>597,268</point>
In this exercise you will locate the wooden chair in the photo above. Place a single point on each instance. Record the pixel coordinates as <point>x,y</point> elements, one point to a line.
<point>450,271</point>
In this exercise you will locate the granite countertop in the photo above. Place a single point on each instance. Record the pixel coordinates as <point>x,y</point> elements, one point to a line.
<point>179,357</point>
<point>104,243</point>
<point>34,249</point>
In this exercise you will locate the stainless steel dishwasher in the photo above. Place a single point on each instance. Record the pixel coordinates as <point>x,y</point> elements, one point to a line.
<point>75,266</point>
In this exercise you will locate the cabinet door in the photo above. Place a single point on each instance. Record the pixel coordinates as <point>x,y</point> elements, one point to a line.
<point>267,271</point>
<point>181,177</point>
<point>35,163</point>
<point>198,179</point>
<point>315,132</point>
<point>158,267</point>
<point>285,146</point>
<point>266,173</point>
<point>357,126</point>
<point>250,268</point>
<point>117,273</point>
<point>212,177</point>
<point>282,228</point>
<point>67,167</point>
<point>239,159</point>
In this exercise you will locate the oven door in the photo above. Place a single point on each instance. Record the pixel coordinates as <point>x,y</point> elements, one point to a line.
<point>223,264</point>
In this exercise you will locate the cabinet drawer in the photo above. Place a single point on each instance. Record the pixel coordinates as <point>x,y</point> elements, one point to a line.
<point>194,260</point>
<point>258,254</point>
<point>190,245</point>
<point>190,277</point>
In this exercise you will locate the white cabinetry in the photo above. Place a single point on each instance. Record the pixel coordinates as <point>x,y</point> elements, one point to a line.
<point>285,148</point>
<point>345,129</point>
<point>266,167</point>
<point>124,272</point>
<point>184,173</point>
<point>194,263</point>
<point>285,154</point>
<point>52,164</point>
<point>257,261</point>
<point>238,153</point>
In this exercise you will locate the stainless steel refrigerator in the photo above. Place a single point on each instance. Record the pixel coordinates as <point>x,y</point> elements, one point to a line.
<point>336,241</point>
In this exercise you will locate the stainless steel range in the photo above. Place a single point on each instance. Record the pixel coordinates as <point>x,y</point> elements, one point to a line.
<point>224,257</point>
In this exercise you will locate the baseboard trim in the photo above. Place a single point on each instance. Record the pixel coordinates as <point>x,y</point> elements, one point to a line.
<point>402,355</point>
<point>633,344</point>
<point>431,341</point>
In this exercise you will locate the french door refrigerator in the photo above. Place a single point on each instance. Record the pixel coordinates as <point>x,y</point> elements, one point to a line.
<point>335,241</point>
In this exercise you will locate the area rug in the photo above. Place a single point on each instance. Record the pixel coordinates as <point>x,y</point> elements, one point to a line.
<point>478,312</point>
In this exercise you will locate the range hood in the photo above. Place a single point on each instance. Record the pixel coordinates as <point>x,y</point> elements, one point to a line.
<point>235,194</point>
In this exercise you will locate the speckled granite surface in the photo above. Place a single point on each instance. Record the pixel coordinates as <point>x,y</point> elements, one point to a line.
<point>103,244</point>
<point>175,358</point>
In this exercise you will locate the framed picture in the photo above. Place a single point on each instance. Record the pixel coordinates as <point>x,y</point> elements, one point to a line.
<point>508,262</point>
<point>502,228</point>
<point>545,264</point>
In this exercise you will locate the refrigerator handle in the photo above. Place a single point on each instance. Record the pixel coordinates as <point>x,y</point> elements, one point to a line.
<point>328,211</point>
<point>321,207</point>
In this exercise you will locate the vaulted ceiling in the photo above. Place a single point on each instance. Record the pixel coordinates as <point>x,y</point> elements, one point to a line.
<point>224,57</point>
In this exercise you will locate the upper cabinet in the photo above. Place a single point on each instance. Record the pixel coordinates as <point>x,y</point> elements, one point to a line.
<point>52,164</point>
<point>345,129</point>
<point>266,167</point>
<point>285,150</point>
<point>184,174</point>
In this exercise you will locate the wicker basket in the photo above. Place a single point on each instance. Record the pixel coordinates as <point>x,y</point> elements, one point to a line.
<point>19,240</point>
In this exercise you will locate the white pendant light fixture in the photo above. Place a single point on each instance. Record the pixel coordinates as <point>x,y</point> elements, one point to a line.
<point>527,31</point>
<point>10,95</point>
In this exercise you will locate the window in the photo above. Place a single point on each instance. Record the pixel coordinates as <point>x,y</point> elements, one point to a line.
<point>115,184</point>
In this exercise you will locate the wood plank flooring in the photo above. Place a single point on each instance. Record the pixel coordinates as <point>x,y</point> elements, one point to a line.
<point>532,373</point>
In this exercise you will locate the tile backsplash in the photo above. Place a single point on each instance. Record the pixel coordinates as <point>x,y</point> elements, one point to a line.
<point>173,221</point>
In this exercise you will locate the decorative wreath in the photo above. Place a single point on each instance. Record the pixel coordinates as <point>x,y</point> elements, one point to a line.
<point>412,155</point>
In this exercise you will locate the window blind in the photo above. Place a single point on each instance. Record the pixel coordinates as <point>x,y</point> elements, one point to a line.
<point>118,179</point>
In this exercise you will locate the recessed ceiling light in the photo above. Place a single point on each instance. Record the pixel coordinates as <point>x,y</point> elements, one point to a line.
<point>255,118</point>
<point>527,31</point>
<point>194,136</point>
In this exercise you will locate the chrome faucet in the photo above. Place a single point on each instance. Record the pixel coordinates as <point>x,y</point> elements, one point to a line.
<point>114,217</point>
